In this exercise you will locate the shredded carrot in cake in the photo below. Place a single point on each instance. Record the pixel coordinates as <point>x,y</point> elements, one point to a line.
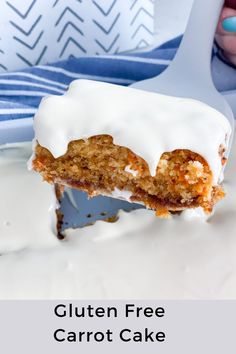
<point>183,178</point>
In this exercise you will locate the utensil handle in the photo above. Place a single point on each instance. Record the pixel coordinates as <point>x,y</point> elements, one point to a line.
<point>194,54</point>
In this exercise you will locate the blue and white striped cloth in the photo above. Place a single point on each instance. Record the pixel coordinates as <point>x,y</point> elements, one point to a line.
<point>21,92</point>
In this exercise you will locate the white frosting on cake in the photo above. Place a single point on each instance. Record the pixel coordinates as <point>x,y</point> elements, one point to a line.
<point>138,257</point>
<point>147,123</point>
<point>123,195</point>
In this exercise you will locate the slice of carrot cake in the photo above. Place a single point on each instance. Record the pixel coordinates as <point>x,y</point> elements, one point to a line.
<point>164,152</point>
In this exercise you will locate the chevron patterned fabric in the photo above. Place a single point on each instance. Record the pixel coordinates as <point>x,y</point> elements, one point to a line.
<point>36,32</point>
<point>22,91</point>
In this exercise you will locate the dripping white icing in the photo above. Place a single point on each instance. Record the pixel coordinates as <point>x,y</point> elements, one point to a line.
<point>147,123</point>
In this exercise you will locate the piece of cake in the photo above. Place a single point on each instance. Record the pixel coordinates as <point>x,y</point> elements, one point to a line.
<point>164,152</point>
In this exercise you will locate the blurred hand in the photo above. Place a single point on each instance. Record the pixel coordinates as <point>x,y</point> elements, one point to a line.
<point>226,30</point>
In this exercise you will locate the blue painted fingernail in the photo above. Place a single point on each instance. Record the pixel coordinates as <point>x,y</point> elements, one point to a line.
<point>229,24</point>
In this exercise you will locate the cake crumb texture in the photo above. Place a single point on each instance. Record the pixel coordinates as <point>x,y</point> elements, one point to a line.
<point>96,165</point>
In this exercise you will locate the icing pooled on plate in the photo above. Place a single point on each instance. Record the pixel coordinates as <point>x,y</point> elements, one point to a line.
<point>147,123</point>
<point>27,208</point>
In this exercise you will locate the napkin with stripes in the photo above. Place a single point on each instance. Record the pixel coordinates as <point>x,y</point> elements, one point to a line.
<point>22,91</point>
